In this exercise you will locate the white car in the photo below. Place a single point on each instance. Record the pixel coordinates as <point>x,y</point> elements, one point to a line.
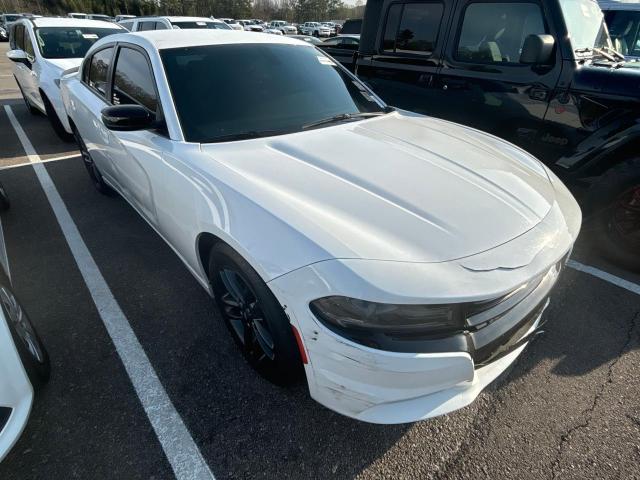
<point>41,50</point>
<point>315,29</point>
<point>402,260</point>
<point>285,27</point>
<point>24,367</point>
<point>232,23</point>
<point>143,24</point>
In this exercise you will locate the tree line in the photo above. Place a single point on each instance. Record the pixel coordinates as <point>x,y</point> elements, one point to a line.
<point>290,10</point>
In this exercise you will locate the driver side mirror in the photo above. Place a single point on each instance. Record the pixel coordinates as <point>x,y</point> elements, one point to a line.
<point>19,56</point>
<point>537,50</point>
<point>128,118</point>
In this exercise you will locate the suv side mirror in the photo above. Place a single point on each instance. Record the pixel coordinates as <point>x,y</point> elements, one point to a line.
<point>18,56</point>
<point>537,50</point>
<point>127,118</point>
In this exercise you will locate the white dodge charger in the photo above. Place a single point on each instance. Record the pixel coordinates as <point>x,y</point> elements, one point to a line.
<point>401,262</point>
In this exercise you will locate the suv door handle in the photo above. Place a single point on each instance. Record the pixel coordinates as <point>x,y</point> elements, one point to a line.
<point>539,93</point>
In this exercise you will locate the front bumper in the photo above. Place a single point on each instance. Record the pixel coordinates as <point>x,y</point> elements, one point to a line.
<point>384,386</point>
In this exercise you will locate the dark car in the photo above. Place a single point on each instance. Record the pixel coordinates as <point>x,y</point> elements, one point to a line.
<point>351,27</point>
<point>541,74</point>
<point>344,49</point>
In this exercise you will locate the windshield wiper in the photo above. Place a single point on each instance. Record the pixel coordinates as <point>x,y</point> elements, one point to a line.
<point>342,117</point>
<point>614,52</point>
<point>597,51</point>
<point>246,135</point>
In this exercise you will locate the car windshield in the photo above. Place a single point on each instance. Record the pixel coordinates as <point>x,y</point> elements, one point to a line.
<point>69,42</point>
<point>275,88</point>
<point>199,24</point>
<point>12,18</point>
<point>585,24</point>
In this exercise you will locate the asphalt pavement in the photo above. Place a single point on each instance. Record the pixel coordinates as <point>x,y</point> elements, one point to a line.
<point>569,408</point>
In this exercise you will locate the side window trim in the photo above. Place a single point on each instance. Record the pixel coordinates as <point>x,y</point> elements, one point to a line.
<point>439,40</point>
<point>87,71</point>
<point>452,50</point>
<point>120,46</point>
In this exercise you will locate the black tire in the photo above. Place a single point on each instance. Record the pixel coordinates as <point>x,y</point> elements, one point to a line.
<point>32,110</point>
<point>92,169</point>
<point>55,120</point>
<point>4,199</point>
<point>614,203</point>
<point>254,317</point>
<point>316,34</point>
<point>34,356</point>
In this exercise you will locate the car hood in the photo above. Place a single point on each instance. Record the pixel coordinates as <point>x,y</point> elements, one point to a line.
<point>65,63</point>
<point>398,187</point>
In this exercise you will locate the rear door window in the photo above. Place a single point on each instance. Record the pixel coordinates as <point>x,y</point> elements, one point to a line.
<point>144,26</point>
<point>99,70</point>
<point>495,32</point>
<point>412,28</point>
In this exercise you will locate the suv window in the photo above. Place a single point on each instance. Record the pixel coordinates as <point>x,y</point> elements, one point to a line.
<point>161,26</point>
<point>624,28</point>
<point>28,45</point>
<point>133,81</point>
<point>412,28</point>
<point>143,26</point>
<point>495,32</point>
<point>18,37</point>
<point>127,25</point>
<point>98,70</point>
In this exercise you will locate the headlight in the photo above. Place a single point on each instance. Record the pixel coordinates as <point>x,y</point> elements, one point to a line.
<point>353,314</point>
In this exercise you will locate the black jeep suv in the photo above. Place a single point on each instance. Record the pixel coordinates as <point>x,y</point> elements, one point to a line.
<point>539,73</point>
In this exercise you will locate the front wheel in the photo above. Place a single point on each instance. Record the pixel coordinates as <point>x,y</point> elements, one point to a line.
<point>615,202</point>
<point>56,124</point>
<point>254,317</point>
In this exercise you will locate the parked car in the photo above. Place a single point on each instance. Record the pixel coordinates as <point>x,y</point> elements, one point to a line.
<point>315,29</point>
<point>332,28</point>
<point>6,19</point>
<point>24,366</point>
<point>79,16</point>
<point>141,24</point>
<point>232,23</point>
<point>284,27</point>
<point>124,17</point>
<point>41,50</point>
<point>104,18</point>
<point>351,27</point>
<point>623,21</point>
<point>251,26</point>
<point>344,49</point>
<point>308,39</point>
<point>403,261</point>
<point>543,76</point>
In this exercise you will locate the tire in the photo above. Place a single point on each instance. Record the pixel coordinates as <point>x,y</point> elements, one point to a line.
<point>55,120</point>
<point>614,203</point>
<point>92,169</point>
<point>34,356</point>
<point>32,110</point>
<point>254,317</point>
<point>316,34</point>
<point>4,199</point>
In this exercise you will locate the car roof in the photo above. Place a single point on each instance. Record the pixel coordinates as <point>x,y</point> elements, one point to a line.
<point>70,22</point>
<point>164,39</point>
<point>177,18</point>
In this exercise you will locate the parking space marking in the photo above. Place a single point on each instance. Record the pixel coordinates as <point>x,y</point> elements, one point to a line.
<point>55,159</point>
<point>179,447</point>
<point>607,277</point>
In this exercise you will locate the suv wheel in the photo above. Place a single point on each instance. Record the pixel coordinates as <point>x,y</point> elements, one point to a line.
<point>55,120</point>
<point>615,202</point>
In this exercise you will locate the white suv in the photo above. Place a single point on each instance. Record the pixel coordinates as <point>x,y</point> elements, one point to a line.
<point>41,50</point>
<point>316,29</point>
<point>284,27</point>
<point>142,24</point>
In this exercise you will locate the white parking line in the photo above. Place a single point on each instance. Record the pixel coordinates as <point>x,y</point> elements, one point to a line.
<point>55,159</point>
<point>607,277</point>
<point>178,445</point>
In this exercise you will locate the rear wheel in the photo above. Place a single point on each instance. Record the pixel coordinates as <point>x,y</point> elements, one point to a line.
<point>55,120</point>
<point>92,169</point>
<point>254,317</point>
<point>30,348</point>
<point>615,202</point>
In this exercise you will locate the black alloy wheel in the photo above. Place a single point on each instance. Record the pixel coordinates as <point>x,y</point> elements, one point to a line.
<point>92,169</point>
<point>254,317</point>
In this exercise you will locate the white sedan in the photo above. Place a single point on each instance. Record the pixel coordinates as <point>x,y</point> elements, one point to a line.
<point>41,50</point>
<point>24,366</point>
<point>402,262</point>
